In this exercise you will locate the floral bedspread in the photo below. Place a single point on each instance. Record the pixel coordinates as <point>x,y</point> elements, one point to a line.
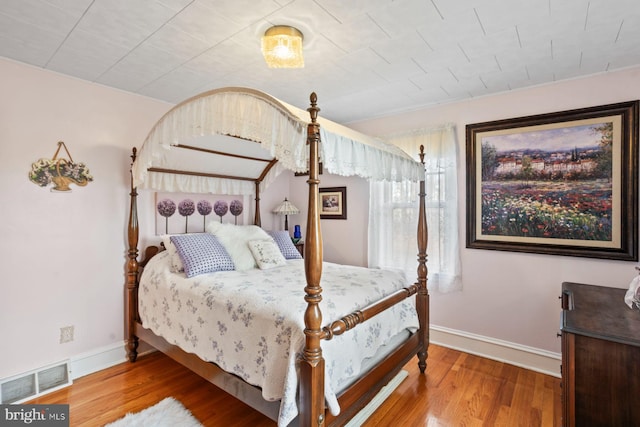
<point>250,323</point>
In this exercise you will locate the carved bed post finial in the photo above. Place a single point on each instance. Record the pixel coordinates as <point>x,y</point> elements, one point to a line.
<point>132,269</point>
<point>313,110</point>
<point>312,363</point>
<point>422,299</point>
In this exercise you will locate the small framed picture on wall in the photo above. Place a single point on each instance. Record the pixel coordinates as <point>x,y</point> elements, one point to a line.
<point>333,203</point>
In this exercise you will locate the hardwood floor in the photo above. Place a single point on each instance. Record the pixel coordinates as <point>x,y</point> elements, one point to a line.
<point>458,390</point>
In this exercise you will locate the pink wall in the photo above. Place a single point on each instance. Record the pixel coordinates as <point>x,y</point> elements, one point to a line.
<point>63,255</point>
<point>512,296</point>
<point>344,241</point>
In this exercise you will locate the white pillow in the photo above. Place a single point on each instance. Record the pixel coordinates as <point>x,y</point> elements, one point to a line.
<point>235,239</point>
<point>175,262</point>
<point>267,254</point>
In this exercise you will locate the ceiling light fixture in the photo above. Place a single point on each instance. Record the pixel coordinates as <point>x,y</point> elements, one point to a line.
<point>282,47</point>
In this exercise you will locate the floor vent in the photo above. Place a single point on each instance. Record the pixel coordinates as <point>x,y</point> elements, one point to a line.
<point>35,383</point>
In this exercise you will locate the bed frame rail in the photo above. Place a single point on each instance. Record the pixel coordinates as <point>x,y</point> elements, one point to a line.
<point>352,320</point>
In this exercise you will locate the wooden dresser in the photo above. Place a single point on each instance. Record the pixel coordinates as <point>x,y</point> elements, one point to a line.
<point>600,357</point>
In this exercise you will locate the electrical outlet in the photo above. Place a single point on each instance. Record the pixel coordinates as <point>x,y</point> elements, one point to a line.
<point>66,334</point>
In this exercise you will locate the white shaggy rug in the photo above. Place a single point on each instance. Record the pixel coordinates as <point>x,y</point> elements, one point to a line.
<point>166,413</point>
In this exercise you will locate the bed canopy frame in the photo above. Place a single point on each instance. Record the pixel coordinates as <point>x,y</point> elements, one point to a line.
<point>200,146</point>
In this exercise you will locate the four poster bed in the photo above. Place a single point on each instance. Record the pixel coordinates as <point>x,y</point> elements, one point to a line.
<point>236,141</point>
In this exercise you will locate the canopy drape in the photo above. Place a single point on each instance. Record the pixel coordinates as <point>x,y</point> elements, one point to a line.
<point>204,144</point>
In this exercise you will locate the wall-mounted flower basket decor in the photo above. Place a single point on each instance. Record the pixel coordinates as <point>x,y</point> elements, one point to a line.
<point>60,172</point>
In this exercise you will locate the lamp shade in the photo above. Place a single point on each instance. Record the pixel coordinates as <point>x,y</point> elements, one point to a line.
<point>282,47</point>
<point>286,208</point>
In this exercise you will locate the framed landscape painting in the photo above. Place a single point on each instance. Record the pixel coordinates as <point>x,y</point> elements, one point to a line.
<point>563,183</point>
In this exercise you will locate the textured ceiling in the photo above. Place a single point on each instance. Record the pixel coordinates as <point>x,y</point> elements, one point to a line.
<point>364,58</point>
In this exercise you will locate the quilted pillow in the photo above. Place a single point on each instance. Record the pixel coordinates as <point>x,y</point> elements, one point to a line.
<point>235,239</point>
<point>285,244</point>
<point>266,253</point>
<point>201,253</point>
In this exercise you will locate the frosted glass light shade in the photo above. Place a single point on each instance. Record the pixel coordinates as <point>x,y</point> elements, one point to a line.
<point>282,47</point>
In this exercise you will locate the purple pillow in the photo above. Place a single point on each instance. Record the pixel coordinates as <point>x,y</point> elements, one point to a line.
<point>288,249</point>
<point>202,253</point>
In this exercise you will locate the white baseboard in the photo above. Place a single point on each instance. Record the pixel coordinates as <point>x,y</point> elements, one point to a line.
<point>97,360</point>
<point>102,358</point>
<point>535,359</point>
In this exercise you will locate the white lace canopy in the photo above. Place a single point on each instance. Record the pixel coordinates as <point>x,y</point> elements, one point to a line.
<point>225,140</point>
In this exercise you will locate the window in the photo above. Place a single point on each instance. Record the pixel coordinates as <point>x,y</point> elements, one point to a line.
<point>393,212</point>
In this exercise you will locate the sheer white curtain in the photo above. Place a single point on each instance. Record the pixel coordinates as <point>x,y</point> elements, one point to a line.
<point>393,212</point>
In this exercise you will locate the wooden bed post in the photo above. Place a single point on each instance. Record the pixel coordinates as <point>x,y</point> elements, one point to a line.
<point>422,298</point>
<point>312,405</point>
<point>132,271</point>
<point>256,217</point>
